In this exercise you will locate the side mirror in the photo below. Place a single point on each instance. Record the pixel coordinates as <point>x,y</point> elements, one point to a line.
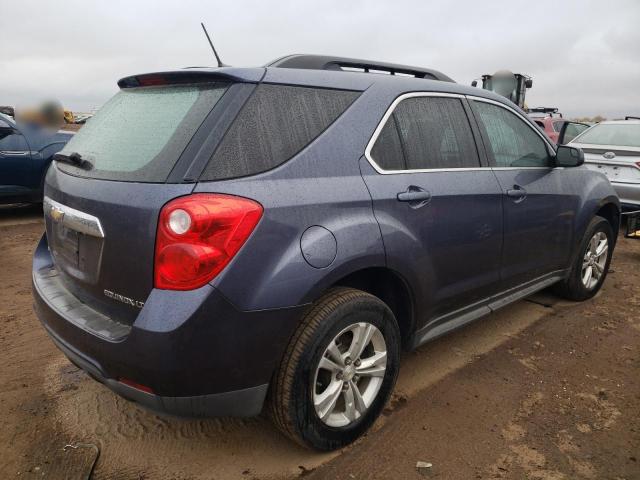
<point>569,156</point>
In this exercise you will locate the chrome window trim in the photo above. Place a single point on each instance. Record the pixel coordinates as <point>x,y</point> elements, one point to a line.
<point>404,96</point>
<point>72,218</point>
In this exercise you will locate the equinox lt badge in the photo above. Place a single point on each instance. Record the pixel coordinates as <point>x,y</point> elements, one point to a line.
<point>123,299</point>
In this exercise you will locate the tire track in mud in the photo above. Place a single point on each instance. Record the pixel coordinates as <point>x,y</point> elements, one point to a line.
<point>136,441</point>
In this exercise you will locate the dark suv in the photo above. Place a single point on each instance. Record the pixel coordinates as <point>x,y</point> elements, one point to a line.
<point>218,239</point>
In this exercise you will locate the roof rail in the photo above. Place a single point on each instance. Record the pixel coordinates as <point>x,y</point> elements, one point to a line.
<point>324,62</point>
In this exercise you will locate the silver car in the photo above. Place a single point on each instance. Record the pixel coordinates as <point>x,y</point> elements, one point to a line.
<point>613,148</point>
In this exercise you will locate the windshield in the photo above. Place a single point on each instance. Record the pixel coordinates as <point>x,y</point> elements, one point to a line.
<point>140,133</point>
<point>618,134</point>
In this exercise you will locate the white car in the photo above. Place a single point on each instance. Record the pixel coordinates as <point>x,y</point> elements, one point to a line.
<point>613,148</point>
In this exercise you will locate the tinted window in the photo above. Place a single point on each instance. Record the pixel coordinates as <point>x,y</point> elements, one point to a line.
<point>557,126</point>
<point>512,142</point>
<point>140,133</point>
<point>387,151</point>
<point>434,133</point>
<point>275,124</point>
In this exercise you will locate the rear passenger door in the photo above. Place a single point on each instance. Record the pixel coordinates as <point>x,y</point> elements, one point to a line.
<point>439,210</point>
<point>539,210</point>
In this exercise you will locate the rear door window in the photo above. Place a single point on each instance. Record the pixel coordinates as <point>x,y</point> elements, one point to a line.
<point>276,123</point>
<point>426,133</point>
<point>140,133</point>
<point>512,142</point>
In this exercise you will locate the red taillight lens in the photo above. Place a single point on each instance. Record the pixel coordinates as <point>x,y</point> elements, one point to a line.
<point>198,235</point>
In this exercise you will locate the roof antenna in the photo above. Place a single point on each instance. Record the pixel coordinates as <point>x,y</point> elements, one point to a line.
<point>220,64</point>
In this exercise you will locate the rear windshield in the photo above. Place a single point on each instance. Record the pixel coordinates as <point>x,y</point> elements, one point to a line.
<point>618,134</point>
<point>139,134</point>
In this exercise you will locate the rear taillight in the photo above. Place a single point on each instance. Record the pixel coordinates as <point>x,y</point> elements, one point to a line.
<point>197,237</point>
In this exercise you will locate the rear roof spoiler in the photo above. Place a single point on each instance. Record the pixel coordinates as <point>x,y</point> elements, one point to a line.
<point>323,62</point>
<point>193,75</point>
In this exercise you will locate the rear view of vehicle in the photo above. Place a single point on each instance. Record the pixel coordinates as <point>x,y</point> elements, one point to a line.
<point>613,148</point>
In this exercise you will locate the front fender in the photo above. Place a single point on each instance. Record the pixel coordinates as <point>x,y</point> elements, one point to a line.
<point>596,192</point>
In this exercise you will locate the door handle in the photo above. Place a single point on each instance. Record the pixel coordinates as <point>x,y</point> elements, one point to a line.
<point>415,196</point>
<point>13,152</point>
<point>517,193</point>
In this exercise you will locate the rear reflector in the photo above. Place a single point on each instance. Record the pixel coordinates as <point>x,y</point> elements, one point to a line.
<point>197,237</point>
<point>137,386</point>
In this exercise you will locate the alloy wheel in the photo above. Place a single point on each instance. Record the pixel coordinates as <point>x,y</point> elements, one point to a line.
<point>349,374</point>
<point>595,260</point>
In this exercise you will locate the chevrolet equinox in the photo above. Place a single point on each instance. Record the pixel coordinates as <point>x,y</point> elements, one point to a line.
<point>219,240</point>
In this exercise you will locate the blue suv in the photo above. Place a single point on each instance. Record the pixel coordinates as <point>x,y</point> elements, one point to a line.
<point>223,240</point>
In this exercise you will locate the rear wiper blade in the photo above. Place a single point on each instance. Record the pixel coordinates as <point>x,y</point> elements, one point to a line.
<point>74,159</point>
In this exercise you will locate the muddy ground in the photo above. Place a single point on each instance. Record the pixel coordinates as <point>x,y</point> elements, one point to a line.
<point>543,389</point>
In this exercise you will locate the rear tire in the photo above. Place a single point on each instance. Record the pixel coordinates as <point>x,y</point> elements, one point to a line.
<point>320,396</point>
<point>591,264</point>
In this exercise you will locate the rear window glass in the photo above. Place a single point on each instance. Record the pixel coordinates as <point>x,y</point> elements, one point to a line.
<point>275,124</point>
<point>617,134</point>
<point>140,133</point>
<point>426,133</point>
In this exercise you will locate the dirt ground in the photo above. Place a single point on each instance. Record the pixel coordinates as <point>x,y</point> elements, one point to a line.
<point>543,389</point>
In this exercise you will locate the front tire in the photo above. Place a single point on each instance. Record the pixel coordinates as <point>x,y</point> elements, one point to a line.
<point>592,262</point>
<point>338,370</point>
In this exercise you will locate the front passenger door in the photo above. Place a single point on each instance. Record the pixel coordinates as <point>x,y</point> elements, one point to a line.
<point>538,210</point>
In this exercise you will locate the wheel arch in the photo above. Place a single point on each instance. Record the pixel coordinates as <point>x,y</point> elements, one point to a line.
<point>609,209</point>
<point>611,212</point>
<point>391,288</point>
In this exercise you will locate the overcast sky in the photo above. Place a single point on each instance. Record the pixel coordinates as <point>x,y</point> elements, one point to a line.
<point>584,56</point>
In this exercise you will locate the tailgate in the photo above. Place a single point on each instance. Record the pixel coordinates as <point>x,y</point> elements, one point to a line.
<point>101,236</point>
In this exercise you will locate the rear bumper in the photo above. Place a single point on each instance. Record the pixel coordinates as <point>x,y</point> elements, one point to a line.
<point>629,194</point>
<point>196,352</point>
<point>246,402</point>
